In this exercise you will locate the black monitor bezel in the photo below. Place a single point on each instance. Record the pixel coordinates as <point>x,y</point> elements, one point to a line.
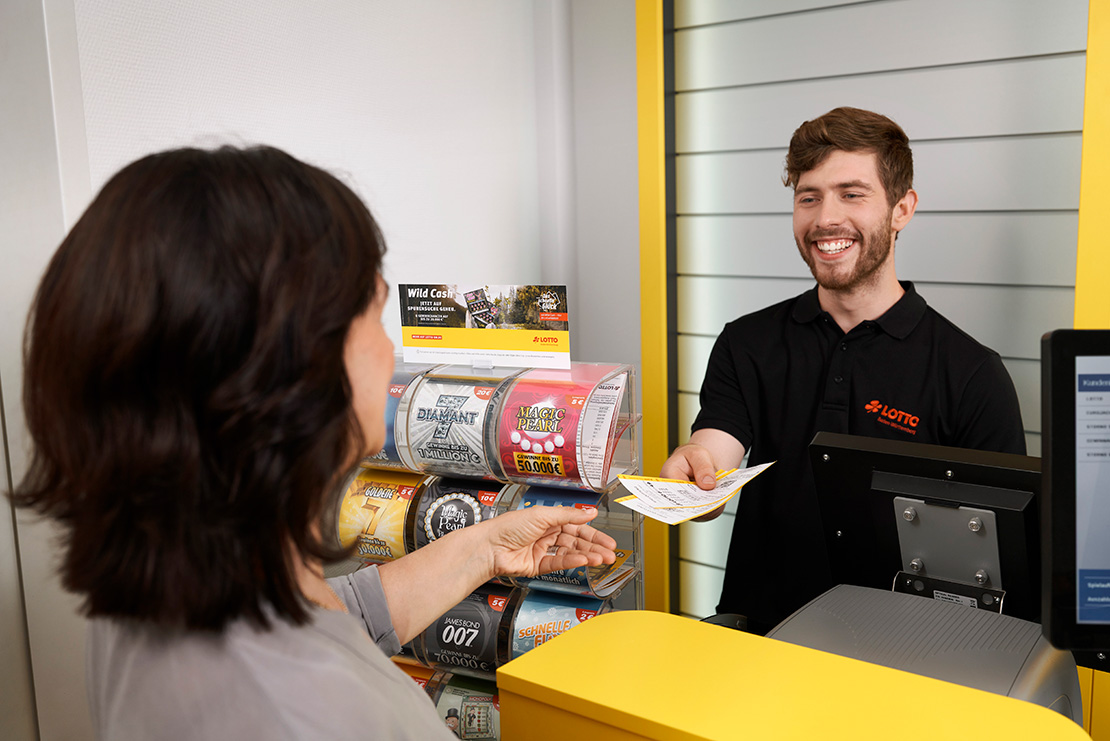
<point>1059,350</point>
<point>859,521</point>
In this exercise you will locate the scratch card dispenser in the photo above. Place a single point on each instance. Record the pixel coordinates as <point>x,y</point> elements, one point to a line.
<point>447,419</point>
<point>542,615</point>
<point>447,504</point>
<point>469,707</point>
<point>373,513</point>
<point>562,427</point>
<point>407,656</point>
<point>471,637</point>
<point>401,386</point>
<point>420,674</point>
<point>603,580</point>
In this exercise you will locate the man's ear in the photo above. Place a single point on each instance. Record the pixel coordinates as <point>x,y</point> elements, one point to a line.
<point>903,211</point>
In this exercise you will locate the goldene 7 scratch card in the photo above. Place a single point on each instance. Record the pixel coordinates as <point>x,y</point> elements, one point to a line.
<point>373,513</point>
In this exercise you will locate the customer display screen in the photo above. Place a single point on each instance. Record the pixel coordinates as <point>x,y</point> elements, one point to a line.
<point>1092,488</point>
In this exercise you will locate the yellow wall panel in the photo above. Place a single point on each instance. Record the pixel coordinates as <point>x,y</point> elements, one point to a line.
<point>653,283</point>
<point>1092,274</point>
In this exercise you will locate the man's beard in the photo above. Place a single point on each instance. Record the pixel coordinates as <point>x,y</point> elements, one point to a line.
<point>873,251</point>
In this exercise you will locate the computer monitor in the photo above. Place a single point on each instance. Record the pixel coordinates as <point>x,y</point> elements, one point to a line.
<point>948,523</point>
<point>1075,397</point>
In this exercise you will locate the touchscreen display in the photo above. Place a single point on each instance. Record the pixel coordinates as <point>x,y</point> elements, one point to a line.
<point>1092,488</point>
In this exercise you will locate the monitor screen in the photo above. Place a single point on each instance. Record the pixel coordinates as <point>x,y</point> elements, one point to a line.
<point>946,523</point>
<point>1075,377</point>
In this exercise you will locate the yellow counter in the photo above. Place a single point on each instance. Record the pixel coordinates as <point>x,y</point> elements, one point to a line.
<point>639,674</point>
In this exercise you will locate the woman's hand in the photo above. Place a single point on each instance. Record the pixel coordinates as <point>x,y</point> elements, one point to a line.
<point>540,539</point>
<point>427,582</point>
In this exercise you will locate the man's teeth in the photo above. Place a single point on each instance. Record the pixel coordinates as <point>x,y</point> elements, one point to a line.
<point>834,246</point>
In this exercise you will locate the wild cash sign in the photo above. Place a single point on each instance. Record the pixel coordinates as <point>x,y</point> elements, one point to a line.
<point>485,326</point>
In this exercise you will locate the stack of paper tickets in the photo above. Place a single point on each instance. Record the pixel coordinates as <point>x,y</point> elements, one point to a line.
<point>672,501</point>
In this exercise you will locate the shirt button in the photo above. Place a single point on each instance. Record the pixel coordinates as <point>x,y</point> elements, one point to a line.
<point>838,379</point>
<point>843,345</point>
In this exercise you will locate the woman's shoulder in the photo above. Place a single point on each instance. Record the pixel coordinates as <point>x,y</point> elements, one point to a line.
<point>285,682</point>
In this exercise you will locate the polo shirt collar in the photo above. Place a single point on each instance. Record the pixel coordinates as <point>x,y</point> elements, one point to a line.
<point>898,321</point>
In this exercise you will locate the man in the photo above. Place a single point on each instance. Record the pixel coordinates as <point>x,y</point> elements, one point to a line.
<point>860,353</point>
<point>452,721</point>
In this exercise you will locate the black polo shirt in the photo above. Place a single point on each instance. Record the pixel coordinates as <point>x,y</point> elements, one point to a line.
<point>779,375</point>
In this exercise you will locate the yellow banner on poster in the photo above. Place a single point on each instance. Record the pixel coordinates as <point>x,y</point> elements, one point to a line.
<point>521,340</point>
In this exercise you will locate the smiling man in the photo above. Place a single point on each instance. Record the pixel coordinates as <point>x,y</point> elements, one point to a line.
<point>860,353</point>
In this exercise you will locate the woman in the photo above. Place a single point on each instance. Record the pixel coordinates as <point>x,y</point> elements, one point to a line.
<point>205,363</point>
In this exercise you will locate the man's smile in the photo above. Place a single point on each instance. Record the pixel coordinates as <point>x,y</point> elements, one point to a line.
<point>833,246</point>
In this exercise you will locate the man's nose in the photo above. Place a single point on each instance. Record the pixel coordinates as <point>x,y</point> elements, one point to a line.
<point>830,213</point>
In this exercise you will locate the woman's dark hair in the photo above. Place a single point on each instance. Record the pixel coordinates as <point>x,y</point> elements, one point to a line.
<point>853,130</point>
<point>185,386</point>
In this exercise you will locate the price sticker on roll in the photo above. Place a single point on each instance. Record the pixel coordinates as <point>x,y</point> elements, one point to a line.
<point>487,326</point>
<point>672,501</point>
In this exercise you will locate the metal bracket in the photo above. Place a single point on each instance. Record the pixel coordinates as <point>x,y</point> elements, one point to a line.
<point>968,595</point>
<point>950,544</point>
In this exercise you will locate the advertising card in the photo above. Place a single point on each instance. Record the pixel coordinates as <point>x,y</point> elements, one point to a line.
<point>524,326</point>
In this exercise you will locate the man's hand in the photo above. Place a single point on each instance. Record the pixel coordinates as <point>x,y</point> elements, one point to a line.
<point>699,460</point>
<point>691,462</point>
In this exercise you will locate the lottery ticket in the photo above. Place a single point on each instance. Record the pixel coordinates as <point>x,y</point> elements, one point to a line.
<point>465,639</point>
<point>544,615</point>
<point>446,425</point>
<point>401,383</point>
<point>448,504</point>
<point>374,511</point>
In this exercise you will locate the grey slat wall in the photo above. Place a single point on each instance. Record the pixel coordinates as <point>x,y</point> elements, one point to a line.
<point>991,95</point>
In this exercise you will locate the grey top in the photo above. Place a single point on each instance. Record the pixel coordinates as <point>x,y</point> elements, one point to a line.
<point>323,680</point>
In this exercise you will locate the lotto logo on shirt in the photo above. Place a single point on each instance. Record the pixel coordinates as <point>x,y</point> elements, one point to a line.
<point>892,417</point>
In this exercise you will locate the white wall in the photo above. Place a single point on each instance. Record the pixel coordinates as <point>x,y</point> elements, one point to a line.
<point>457,122</point>
<point>31,224</point>
<point>428,106</point>
<point>607,278</point>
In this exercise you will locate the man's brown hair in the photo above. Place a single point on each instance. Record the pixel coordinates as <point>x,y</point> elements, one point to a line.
<point>853,130</point>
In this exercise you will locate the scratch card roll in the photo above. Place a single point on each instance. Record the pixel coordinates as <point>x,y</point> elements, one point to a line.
<point>447,504</point>
<point>602,580</point>
<point>373,513</point>
<point>542,615</point>
<point>402,383</point>
<point>469,707</point>
<point>548,432</point>
<point>471,638</point>
<point>446,421</point>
